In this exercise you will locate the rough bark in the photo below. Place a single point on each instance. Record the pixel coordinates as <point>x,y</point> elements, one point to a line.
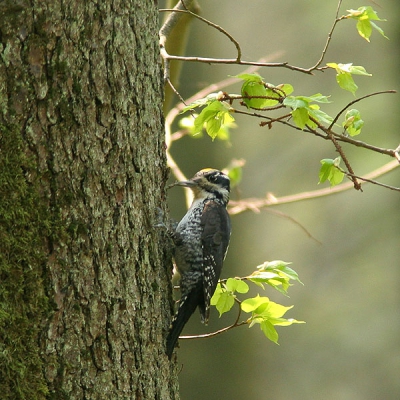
<point>84,294</point>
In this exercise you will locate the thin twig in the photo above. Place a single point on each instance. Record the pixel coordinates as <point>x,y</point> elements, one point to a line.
<point>356,101</point>
<point>212,24</point>
<point>372,181</point>
<point>228,61</point>
<point>358,143</point>
<point>214,87</point>
<point>329,134</point>
<point>183,8</point>
<point>328,41</point>
<point>227,328</point>
<point>397,153</point>
<point>339,149</point>
<point>176,92</point>
<point>237,207</point>
<point>172,20</point>
<point>342,138</point>
<point>302,227</point>
<point>207,335</point>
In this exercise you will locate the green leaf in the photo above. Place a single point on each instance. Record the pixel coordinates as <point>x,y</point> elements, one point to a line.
<point>275,310</point>
<point>380,30</point>
<point>355,69</point>
<point>325,170</point>
<point>286,88</point>
<point>237,285</point>
<point>213,125</point>
<point>318,98</point>
<point>344,75</point>
<point>364,16</point>
<point>201,102</point>
<point>329,171</point>
<point>268,314</point>
<point>215,116</point>
<point>188,123</point>
<point>228,123</point>
<point>264,275</point>
<point>207,113</point>
<point>276,264</point>
<point>254,89</point>
<point>250,77</point>
<point>235,175</point>
<point>291,274</point>
<point>276,274</point>
<point>253,85</point>
<point>336,177</point>
<point>346,82</point>
<point>222,299</point>
<point>295,102</point>
<point>269,331</point>
<point>225,303</point>
<point>364,28</point>
<point>258,94</point>
<point>270,102</point>
<point>319,115</point>
<point>264,312</point>
<point>353,122</point>
<point>256,304</point>
<point>217,293</point>
<point>285,322</point>
<point>303,110</point>
<point>283,269</point>
<point>301,117</point>
<point>278,282</point>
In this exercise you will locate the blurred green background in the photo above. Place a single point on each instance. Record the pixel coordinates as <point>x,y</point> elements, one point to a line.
<point>349,348</point>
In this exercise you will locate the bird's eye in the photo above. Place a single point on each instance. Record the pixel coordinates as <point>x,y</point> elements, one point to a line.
<point>213,178</point>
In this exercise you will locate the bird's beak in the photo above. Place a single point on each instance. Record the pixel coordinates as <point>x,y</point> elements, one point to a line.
<point>188,184</point>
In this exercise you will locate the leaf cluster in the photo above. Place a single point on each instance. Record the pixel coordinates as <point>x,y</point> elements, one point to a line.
<point>214,113</point>
<point>364,17</point>
<point>344,75</point>
<point>263,311</point>
<point>330,171</point>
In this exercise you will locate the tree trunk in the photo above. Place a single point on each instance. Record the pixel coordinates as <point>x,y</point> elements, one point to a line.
<point>84,293</point>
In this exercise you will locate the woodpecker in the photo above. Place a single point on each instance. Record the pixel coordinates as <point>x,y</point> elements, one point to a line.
<point>201,241</point>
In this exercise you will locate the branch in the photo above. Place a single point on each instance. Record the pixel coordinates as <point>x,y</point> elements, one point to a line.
<point>339,137</point>
<point>356,101</point>
<point>172,20</point>
<point>212,24</point>
<point>302,227</point>
<point>371,181</point>
<point>326,133</point>
<point>182,7</point>
<point>328,41</point>
<point>169,119</point>
<point>214,87</point>
<point>331,136</point>
<point>358,143</point>
<point>228,61</point>
<point>237,207</point>
<point>207,335</point>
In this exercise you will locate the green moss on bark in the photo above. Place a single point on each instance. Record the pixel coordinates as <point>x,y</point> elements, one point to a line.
<point>23,302</point>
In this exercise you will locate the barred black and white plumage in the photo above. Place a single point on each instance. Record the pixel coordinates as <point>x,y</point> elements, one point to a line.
<point>201,242</point>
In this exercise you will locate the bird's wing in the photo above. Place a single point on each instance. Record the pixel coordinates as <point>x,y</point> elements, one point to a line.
<point>215,240</point>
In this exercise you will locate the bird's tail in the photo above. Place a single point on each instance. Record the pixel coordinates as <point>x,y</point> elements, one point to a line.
<point>187,306</point>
